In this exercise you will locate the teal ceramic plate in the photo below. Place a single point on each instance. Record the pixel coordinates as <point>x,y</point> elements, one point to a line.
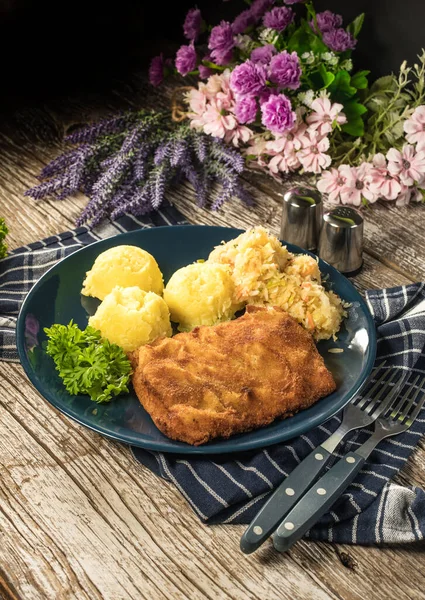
<point>56,299</point>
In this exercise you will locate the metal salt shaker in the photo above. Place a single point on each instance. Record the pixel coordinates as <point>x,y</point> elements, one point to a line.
<point>341,239</point>
<point>301,217</point>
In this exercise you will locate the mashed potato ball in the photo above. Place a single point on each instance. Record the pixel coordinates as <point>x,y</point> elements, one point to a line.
<point>125,266</point>
<point>201,294</point>
<point>131,317</point>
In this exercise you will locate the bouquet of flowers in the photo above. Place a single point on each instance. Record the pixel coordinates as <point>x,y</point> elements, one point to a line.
<point>278,83</point>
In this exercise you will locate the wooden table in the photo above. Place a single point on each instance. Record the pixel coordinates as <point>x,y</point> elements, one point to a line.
<point>79,518</point>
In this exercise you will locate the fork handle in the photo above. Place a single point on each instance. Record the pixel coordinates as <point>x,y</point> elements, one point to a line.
<point>283,499</point>
<point>317,501</point>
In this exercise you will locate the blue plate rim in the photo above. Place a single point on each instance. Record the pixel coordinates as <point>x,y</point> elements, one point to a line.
<point>222,446</point>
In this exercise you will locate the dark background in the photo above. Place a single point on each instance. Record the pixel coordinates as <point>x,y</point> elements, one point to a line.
<point>50,48</point>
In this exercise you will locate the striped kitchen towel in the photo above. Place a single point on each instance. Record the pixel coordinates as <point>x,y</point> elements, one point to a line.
<point>231,489</point>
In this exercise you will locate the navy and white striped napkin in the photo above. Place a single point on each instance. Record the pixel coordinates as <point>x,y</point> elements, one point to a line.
<point>232,488</point>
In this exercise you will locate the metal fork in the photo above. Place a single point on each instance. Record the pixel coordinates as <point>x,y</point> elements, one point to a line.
<point>361,412</point>
<point>320,498</point>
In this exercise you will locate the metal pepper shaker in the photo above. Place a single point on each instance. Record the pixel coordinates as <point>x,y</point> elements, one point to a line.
<point>301,217</point>
<point>341,239</point>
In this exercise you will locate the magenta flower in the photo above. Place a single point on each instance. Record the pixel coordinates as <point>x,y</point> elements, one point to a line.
<point>156,70</point>
<point>325,115</point>
<point>248,79</point>
<point>277,114</point>
<point>382,183</point>
<point>263,54</point>
<point>332,183</point>
<point>204,72</point>
<point>192,24</point>
<point>221,43</point>
<point>408,164</point>
<point>357,185</point>
<point>339,40</point>
<point>244,20</point>
<point>285,70</point>
<point>313,155</point>
<point>259,7</point>
<point>246,109</point>
<point>415,128</point>
<point>185,59</point>
<point>278,18</point>
<point>326,21</point>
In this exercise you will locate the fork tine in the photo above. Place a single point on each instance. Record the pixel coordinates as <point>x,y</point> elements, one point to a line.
<point>369,396</point>
<point>396,410</point>
<point>389,399</point>
<point>375,400</point>
<point>416,410</point>
<point>403,413</point>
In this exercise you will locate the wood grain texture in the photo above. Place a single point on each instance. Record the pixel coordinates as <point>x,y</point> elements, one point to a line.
<point>79,518</point>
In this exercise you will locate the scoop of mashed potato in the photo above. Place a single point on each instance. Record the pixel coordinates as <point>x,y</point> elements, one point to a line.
<point>201,294</point>
<point>131,317</point>
<point>124,266</point>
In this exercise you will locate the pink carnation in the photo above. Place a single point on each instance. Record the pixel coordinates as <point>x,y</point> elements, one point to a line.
<point>408,194</point>
<point>382,183</point>
<point>357,184</point>
<point>325,115</point>
<point>415,128</point>
<point>313,156</point>
<point>332,183</point>
<point>408,164</point>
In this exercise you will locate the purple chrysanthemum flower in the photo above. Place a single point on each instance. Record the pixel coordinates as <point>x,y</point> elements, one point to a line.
<point>246,109</point>
<point>259,7</point>
<point>277,114</point>
<point>156,70</point>
<point>339,40</point>
<point>221,43</point>
<point>326,21</point>
<point>278,18</point>
<point>192,24</point>
<point>285,70</point>
<point>205,72</point>
<point>248,79</point>
<point>263,54</point>
<point>186,59</point>
<point>244,20</point>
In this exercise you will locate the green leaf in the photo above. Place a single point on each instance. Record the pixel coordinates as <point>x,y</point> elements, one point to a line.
<point>385,84</point>
<point>355,27</point>
<point>340,89</point>
<point>327,77</point>
<point>353,109</point>
<point>354,127</point>
<point>3,232</point>
<point>305,40</point>
<point>359,80</point>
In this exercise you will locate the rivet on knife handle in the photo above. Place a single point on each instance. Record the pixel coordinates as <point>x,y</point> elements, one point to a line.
<point>283,499</point>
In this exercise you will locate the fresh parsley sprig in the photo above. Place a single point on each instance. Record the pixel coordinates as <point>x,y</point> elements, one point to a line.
<point>87,363</point>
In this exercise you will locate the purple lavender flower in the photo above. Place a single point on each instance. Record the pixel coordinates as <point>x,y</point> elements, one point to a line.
<point>246,109</point>
<point>156,70</point>
<point>248,79</point>
<point>285,70</point>
<point>326,21</point>
<point>244,20</point>
<point>221,43</point>
<point>277,114</point>
<point>278,18</point>
<point>186,59</point>
<point>263,54</point>
<point>339,40</point>
<point>192,24</point>
<point>259,7</point>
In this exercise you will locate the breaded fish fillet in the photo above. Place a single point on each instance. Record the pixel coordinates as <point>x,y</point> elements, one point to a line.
<point>233,377</point>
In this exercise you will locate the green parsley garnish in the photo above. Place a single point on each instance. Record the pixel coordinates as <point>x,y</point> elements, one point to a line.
<point>87,363</point>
